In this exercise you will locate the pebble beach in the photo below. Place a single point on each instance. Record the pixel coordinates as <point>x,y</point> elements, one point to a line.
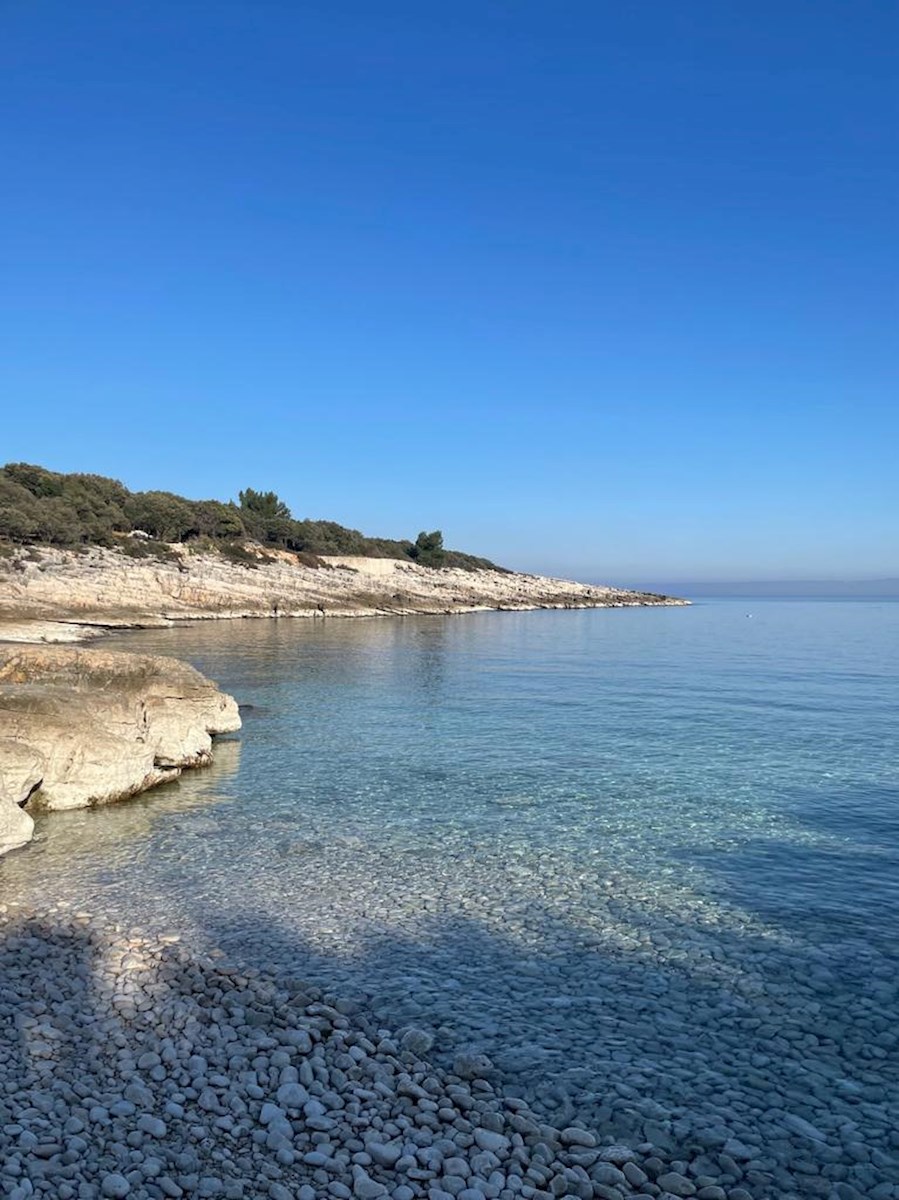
<point>137,1069</point>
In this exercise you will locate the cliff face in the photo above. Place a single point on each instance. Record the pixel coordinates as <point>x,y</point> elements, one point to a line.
<point>107,588</point>
<point>82,727</point>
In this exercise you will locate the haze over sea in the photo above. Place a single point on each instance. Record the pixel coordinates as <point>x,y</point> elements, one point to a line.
<point>646,860</point>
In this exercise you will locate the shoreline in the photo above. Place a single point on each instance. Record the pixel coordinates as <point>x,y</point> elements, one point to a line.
<point>176,1074</point>
<point>83,727</point>
<point>61,595</point>
<point>58,598</point>
<point>36,631</point>
<point>672,1025</point>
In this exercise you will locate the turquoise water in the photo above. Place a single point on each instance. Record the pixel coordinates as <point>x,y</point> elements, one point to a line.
<point>646,860</point>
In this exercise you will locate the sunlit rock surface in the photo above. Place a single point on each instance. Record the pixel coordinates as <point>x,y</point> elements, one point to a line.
<point>107,588</point>
<point>83,727</point>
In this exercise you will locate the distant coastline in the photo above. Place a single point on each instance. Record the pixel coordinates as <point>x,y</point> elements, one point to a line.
<point>795,589</point>
<point>49,594</point>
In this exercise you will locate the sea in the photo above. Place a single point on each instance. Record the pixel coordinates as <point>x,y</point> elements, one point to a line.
<point>645,860</point>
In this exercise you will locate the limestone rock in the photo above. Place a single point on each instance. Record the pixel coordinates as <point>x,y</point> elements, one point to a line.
<point>16,826</point>
<point>103,587</point>
<point>21,772</point>
<point>93,726</point>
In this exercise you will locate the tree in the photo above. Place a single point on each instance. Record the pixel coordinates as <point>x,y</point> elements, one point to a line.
<point>37,480</point>
<point>428,550</point>
<point>216,520</point>
<point>16,525</point>
<point>161,514</point>
<point>58,522</point>
<point>264,504</point>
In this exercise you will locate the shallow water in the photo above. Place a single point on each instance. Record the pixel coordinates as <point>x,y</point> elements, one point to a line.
<point>646,860</point>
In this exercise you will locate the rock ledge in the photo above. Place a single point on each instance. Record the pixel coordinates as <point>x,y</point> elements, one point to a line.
<point>58,595</point>
<point>87,726</point>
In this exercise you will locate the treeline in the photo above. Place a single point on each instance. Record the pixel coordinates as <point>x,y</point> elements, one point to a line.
<point>49,508</point>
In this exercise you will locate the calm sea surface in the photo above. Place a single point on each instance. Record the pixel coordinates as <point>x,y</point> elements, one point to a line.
<point>646,860</point>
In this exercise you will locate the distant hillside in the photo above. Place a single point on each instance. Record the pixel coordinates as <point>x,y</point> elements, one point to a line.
<point>44,507</point>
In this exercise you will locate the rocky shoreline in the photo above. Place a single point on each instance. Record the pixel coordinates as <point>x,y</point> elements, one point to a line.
<point>80,727</point>
<point>136,1068</point>
<point>61,595</point>
<point>83,727</point>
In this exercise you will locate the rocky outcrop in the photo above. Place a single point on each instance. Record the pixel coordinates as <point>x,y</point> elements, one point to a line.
<point>80,727</point>
<point>107,588</point>
<point>21,772</point>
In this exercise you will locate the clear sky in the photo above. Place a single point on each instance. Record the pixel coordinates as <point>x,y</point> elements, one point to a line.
<point>596,287</point>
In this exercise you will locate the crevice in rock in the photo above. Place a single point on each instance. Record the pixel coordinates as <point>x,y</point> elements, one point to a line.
<point>24,803</point>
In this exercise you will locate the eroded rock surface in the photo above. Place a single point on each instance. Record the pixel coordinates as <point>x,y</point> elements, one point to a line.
<point>107,588</point>
<point>81,727</point>
<point>21,772</point>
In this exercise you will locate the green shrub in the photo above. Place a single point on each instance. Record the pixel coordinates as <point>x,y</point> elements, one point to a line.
<point>237,552</point>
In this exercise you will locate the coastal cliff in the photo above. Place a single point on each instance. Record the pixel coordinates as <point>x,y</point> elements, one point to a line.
<point>80,727</point>
<point>106,588</point>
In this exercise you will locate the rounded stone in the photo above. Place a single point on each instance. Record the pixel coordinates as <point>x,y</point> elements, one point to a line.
<point>115,1186</point>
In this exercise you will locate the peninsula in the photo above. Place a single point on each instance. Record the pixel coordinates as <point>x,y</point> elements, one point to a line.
<point>81,553</point>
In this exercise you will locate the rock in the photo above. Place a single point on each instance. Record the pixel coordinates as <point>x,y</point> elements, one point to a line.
<point>385,1155</point>
<point>115,1186</point>
<point>292,1095</point>
<point>16,826</point>
<point>606,1173</point>
<point>366,1188</point>
<point>300,1039</point>
<point>573,1136</point>
<point>676,1184</point>
<point>495,1142</point>
<point>801,1127</point>
<point>619,1155</point>
<point>468,1065</point>
<point>92,726</point>
<point>736,1150</point>
<point>208,1100</point>
<point>104,587</point>
<point>635,1175</point>
<point>21,771</point>
<point>152,1126</point>
<point>417,1042</point>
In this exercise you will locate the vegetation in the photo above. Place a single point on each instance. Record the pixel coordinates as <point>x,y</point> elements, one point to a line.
<point>44,507</point>
<point>428,549</point>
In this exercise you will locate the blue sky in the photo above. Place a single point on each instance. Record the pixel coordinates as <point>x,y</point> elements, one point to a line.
<point>599,288</point>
